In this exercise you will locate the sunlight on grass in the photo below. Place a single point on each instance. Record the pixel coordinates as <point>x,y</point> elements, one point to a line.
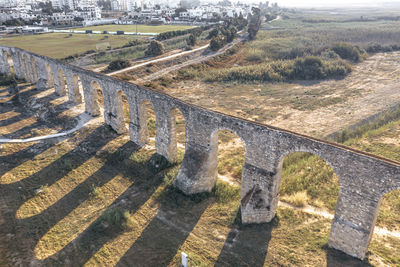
<point>11,148</point>
<point>8,115</point>
<point>66,230</point>
<point>113,250</point>
<point>39,162</point>
<point>65,185</point>
<point>16,126</point>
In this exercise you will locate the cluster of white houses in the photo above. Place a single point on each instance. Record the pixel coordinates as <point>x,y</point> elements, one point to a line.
<point>67,11</point>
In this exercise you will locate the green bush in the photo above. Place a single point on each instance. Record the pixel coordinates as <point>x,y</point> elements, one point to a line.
<point>217,43</point>
<point>308,68</point>
<point>347,51</point>
<point>192,39</point>
<point>155,48</point>
<point>118,64</point>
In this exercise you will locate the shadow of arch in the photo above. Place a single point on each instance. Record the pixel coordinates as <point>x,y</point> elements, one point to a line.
<point>147,122</point>
<point>230,151</point>
<point>62,82</point>
<point>177,134</point>
<point>77,90</point>
<point>123,112</point>
<point>50,76</point>
<point>34,70</point>
<point>8,59</point>
<point>97,98</point>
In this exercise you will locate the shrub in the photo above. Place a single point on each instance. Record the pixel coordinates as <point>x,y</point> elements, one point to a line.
<point>118,64</point>
<point>308,68</point>
<point>113,220</point>
<point>347,51</point>
<point>298,199</point>
<point>217,43</point>
<point>155,48</point>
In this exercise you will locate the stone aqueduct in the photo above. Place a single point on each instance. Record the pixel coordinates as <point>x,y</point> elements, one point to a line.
<point>363,178</point>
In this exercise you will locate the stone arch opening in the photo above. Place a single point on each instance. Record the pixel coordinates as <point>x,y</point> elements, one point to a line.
<point>148,122</point>
<point>50,76</point>
<point>34,70</point>
<point>97,98</point>
<point>230,151</point>
<point>8,59</point>
<point>177,133</point>
<point>388,218</point>
<point>62,82</point>
<point>77,91</point>
<point>306,179</point>
<point>21,65</point>
<point>123,112</point>
<point>27,69</point>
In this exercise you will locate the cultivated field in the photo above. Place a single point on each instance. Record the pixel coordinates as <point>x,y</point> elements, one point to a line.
<point>140,28</point>
<point>61,45</point>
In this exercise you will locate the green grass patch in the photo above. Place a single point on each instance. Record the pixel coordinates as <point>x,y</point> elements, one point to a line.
<point>62,45</point>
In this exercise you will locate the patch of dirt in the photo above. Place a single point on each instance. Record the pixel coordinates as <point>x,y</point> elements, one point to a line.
<point>312,108</point>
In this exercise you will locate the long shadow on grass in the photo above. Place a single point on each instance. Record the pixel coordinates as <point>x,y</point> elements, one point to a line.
<point>160,240</point>
<point>95,236</point>
<point>12,161</point>
<point>246,245</point>
<point>337,258</point>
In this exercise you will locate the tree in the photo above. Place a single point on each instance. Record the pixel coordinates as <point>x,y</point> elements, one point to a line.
<point>191,41</point>
<point>254,23</point>
<point>78,19</point>
<point>155,48</point>
<point>213,33</point>
<point>47,8</point>
<point>217,43</point>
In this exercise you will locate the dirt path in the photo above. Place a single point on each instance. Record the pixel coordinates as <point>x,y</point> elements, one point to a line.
<point>158,60</point>
<point>196,60</point>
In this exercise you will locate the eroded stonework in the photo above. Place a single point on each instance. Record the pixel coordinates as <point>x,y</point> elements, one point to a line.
<point>363,178</point>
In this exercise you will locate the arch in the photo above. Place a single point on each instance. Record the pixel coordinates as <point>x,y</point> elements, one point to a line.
<point>305,178</point>
<point>34,70</point>
<point>388,215</point>
<point>21,65</point>
<point>147,122</point>
<point>77,90</point>
<point>9,61</point>
<point>50,76</point>
<point>97,98</point>
<point>123,112</point>
<point>177,133</point>
<point>230,150</point>
<point>62,82</point>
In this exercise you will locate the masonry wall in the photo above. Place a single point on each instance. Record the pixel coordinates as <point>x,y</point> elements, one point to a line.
<point>363,178</point>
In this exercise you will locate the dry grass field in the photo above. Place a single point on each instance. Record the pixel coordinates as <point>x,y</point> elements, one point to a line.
<point>92,198</point>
